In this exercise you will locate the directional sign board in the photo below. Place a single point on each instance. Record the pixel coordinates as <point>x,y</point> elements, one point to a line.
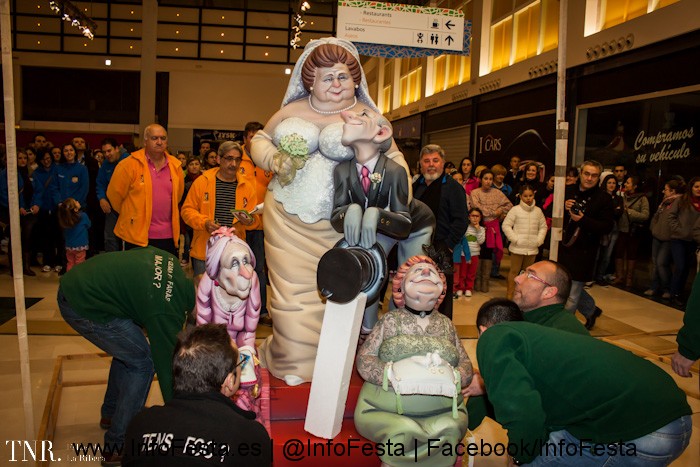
<point>406,25</point>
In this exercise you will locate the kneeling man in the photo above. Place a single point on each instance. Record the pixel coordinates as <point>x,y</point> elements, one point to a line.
<point>567,399</point>
<point>200,425</point>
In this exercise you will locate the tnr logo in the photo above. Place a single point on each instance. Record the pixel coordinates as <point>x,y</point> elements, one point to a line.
<point>30,448</point>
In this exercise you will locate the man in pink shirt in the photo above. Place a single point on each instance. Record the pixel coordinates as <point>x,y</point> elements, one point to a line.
<point>145,190</point>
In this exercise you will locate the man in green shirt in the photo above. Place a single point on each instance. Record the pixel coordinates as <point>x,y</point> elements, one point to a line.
<point>108,300</point>
<point>688,337</point>
<point>541,292</point>
<point>567,399</point>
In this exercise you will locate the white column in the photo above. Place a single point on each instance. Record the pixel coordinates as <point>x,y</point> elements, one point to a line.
<point>333,368</point>
<point>149,30</point>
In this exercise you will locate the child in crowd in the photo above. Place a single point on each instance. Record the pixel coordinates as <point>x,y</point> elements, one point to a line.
<point>458,177</point>
<point>466,255</point>
<point>75,226</point>
<point>525,227</point>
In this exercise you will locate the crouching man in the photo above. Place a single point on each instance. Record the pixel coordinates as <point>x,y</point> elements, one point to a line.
<point>200,425</point>
<point>569,400</point>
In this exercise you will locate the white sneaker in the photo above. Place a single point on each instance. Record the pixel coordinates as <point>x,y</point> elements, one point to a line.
<point>46,268</point>
<point>458,294</point>
<point>468,293</point>
<point>58,268</point>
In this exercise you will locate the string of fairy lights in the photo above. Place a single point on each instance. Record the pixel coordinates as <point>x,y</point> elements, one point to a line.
<point>72,14</point>
<point>299,23</point>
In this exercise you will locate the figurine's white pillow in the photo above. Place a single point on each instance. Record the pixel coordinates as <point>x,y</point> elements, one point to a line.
<point>428,375</point>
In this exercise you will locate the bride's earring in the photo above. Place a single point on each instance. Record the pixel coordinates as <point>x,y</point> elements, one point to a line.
<point>357,86</point>
<point>311,88</point>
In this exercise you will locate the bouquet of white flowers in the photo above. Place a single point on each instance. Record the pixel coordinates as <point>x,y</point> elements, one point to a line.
<point>293,150</point>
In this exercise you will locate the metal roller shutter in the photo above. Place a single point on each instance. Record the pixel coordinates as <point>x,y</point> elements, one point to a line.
<point>455,142</point>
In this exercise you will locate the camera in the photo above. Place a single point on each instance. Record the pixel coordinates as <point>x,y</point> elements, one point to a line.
<point>577,207</point>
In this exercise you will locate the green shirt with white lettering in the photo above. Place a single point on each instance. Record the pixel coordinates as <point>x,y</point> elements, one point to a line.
<point>146,285</point>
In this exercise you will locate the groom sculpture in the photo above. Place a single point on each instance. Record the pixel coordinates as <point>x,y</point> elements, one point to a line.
<point>371,202</point>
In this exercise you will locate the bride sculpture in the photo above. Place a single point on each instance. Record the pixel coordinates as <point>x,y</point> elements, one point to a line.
<point>301,144</point>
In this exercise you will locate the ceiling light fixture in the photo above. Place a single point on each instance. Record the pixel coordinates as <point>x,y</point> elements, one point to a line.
<point>299,23</point>
<point>74,16</point>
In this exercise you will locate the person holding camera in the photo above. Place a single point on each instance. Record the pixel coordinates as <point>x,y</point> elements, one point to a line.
<point>589,215</point>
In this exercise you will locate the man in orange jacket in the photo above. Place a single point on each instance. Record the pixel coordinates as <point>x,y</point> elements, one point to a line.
<point>145,190</point>
<point>212,198</point>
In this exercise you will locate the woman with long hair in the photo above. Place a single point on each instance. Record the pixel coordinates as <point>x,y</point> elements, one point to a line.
<point>607,242</point>
<point>531,177</point>
<point>47,234</point>
<point>661,241</point>
<point>469,180</point>
<point>684,213</point>
<point>630,225</point>
<point>494,205</point>
<point>72,181</point>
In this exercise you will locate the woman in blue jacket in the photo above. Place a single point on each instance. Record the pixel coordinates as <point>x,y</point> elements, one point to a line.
<point>72,181</point>
<point>47,238</point>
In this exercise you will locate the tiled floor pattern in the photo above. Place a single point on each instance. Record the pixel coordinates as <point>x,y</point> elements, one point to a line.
<point>624,315</point>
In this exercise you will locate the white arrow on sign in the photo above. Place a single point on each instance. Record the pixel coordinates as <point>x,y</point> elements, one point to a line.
<point>433,28</point>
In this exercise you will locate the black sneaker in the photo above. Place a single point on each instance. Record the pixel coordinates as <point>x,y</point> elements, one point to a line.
<point>590,322</point>
<point>677,301</point>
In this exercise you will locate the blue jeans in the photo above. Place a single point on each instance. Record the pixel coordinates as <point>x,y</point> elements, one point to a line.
<point>658,448</point>
<point>112,242</point>
<point>681,251</point>
<point>131,372</point>
<point>580,300</point>
<point>199,267</point>
<point>256,242</point>
<point>604,255</point>
<point>661,259</point>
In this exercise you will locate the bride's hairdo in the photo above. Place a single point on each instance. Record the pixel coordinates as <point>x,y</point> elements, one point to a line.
<point>325,56</point>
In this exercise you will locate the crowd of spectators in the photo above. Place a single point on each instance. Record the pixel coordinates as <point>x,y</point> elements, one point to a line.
<point>670,232</point>
<point>51,175</point>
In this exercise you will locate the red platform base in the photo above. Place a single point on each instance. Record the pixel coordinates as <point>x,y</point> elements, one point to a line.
<point>292,446</point>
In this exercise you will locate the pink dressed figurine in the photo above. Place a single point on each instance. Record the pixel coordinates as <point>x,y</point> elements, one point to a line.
<point>229,293</point>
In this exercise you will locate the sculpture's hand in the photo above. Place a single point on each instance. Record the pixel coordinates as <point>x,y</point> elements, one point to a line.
<point>283,166</point>
<point>352,224</point>
<point>369,227</point>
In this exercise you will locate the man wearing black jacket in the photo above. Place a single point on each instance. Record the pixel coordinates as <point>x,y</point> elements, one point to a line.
<point>200,425</point>
<point>448,201</point>
<point>589,215</point>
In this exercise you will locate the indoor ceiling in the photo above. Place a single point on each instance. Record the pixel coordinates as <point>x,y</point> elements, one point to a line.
<point>222,30</point>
